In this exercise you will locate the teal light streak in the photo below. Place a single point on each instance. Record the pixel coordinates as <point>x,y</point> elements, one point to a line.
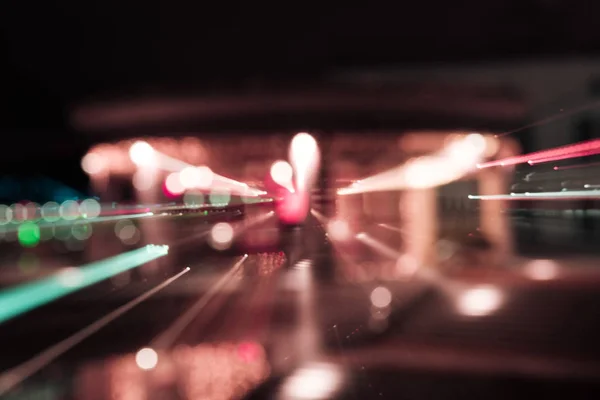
<point>20,299</point>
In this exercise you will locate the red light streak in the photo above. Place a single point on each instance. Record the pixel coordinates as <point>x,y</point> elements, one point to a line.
<point>559,168</point>
<point>581,149</point>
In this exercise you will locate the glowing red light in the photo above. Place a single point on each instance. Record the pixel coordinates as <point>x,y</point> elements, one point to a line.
<point>249,351</point>
<point>293,207</point>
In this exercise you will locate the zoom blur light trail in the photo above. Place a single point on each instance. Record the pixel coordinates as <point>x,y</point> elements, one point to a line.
<point>16,375</point>
<point>143,155</point>
<point>18,300</point>
<point>566,195</point>
<point>581,149</point>
<point>457,159</point>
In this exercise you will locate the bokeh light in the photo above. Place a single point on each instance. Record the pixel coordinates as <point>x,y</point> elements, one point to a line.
<point>204,177</point>
<point>29,234</point>
<point>18,212</point>
<point>221,235</point>
<point>32,211</point>
<point>50,211</point>
<point>127,232</point>
<point>381,297</point>
<point>90,208</point>
<point>193,199</point>
<point>6,214</point>
<point>92,163</point>
<point>219,198</point>
<point>173,185</point>
<point>146,358</point>
<point>81,230</point>
<point>69,210</point>
<point>282,173</point>
<point>142,154</point>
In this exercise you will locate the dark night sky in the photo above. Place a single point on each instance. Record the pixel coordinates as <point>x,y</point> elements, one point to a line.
<point>73,48</point>
<point>58,52</point>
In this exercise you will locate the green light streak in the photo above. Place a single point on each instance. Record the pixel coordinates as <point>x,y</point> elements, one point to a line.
<point>18,300</point>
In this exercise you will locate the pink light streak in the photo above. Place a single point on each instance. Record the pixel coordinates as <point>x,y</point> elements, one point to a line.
<point>582,149</point>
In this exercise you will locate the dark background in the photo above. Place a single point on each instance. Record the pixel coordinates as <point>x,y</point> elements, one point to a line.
<point>57,54</point>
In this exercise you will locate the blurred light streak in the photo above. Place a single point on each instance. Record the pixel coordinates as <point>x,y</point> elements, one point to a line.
<point>566,156</point>
<point>320,217</point>
<point>196,177</point>
<point>566,167</point>
<point>580,149</point>
<point>143,154</point>
<point>391,228</point>
<point>18,300</point>
<point>378,246</point>
<point>305,158</point>
<point>458,158</point>
<point>566,195</point>
<point>14,376</point>
<point>170,335</point>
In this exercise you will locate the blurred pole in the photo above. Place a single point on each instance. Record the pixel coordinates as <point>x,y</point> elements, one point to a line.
<point>348,208</point>
<point>418,211</point>
<point>494,223</point>
<point>494,220</point>
<point>147,185</point>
